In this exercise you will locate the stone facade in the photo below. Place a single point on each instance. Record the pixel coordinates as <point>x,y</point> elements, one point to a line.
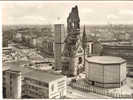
<point>73,52</point>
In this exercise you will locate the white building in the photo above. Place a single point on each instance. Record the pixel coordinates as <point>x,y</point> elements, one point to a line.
<point>44,85</point>
<point>18,36</point>
<point>21,82</point>
<point>106,71</point>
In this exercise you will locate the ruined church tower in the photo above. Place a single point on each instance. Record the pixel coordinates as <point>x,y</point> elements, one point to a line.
<point>70,63</point>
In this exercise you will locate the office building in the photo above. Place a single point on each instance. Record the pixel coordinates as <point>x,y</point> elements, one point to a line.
<point>58,44</point>
<point>21,82</point>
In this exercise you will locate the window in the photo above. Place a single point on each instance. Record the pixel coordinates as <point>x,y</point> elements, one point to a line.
<point>66,67</point>
<point>93,83</point>
<point>4,73</point>
<point>80,60</point>
<point>52,87</point>
<point>121,83</point>
<point>45,84</point>
<point>61,81</point>
<point>80,50</point>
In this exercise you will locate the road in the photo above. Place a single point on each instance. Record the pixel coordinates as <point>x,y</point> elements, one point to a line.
<point>77,94</point>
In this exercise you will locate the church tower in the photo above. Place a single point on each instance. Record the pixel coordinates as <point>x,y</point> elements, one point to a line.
<point>72,54</point>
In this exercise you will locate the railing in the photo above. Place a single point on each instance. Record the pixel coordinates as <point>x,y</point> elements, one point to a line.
<point>100,91</point>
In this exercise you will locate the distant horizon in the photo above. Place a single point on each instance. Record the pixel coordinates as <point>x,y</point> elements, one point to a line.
<point>65,24</point>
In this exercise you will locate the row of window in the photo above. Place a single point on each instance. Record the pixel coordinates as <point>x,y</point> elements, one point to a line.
<point>35,94</point>
<point>32,87</point>
<point>65,67</point>
<point>55,96</point>
<point>61,88</point>
<point>61,85</point>
<point>4,79</point>
<point>37,82</point>
<point>4,73</point>
<point>61,82</point>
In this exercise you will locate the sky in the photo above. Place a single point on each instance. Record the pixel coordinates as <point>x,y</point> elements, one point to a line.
<point>57,12</point>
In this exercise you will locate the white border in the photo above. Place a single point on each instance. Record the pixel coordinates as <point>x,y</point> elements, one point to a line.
<point>38,2</point>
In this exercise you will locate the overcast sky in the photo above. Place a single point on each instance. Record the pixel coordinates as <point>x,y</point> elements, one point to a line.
<point>48,13</point>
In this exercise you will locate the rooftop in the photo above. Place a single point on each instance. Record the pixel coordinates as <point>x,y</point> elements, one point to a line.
<point>6,48</point>
<point>16,66</point>
<point>105,60</point>
<point>119,44</point>
<point>43,76</point>
<point>31,73</point>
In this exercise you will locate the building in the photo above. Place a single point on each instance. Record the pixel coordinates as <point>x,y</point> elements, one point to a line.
<point>18,36</point>
<point>58,44</point>
<point>44,85</point>
<point>48,46</point>
<point>94,46</point>
<point>89,48</point>
<point>72,59</point>
<point>12,79</point>
<point>106,71</point>
<point>22,82</point>
<point>120,49</point>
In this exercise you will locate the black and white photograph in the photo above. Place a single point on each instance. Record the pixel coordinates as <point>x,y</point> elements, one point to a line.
<point>67,50</point>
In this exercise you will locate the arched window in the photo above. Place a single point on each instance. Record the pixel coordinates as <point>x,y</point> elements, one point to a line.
<point>80,60</point>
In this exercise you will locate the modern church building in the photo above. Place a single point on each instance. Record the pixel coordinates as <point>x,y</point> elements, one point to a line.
<point>106,71</point>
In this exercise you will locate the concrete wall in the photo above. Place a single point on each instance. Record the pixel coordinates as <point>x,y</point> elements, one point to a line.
<point>112,73</point>
<point>123,71</point>
<point>106,75</point>
<point>13,84</point>
<point>95,72</point>
<point>16,86</point>
<point>59,88</point>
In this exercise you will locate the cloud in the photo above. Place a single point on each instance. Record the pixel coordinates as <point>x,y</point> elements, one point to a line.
<point>112,16</point>
<point>43,13</point>
<point>126,12</point>
<point>86,10</point>
<point>39,18</point>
